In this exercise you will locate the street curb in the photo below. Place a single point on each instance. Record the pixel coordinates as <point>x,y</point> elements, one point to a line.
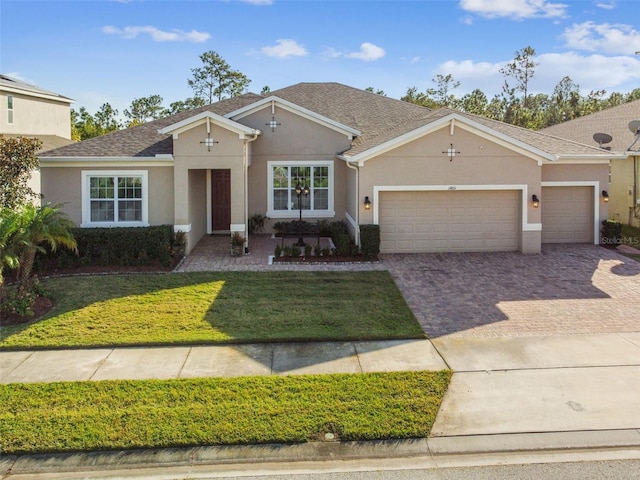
<point>533,442</point>
<point>318,451</point>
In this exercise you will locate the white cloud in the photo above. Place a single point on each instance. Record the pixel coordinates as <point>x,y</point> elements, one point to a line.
<point>603,38</point>
<point>606,6</point>
<point>514,9</point>
<point>285,48</point>
<point>368,52</point>
<point>590,72</point>
<point>258,2</point>
<point>158,35</point>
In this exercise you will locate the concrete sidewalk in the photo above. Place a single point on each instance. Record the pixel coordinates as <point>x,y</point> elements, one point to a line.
<point>507,396</point>
<point>572,383</point>
<point>218,361</point>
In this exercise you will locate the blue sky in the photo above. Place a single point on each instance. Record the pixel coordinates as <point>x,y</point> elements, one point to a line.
<point>116,51</point>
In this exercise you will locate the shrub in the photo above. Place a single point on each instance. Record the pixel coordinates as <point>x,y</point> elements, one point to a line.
<point>307,250</point>
<point>117,246</point>
<point>370,241</point>
<point>611,232</point>
<point>278,251</point>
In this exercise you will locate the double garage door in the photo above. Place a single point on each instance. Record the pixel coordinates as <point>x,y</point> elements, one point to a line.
<point>477,221</point>
<point>449,221</point>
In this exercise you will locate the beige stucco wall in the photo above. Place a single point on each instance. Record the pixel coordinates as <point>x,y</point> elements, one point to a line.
<point>190,203</point>
<point>623,207</point>
<point>64,185</point>
<point>197,207</point>
<point>297,139</point>
<point>34,115</point>
<point>480,162</point>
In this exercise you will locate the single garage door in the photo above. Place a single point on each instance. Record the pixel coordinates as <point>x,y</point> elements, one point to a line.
<point>567,214</point>
<point>451,221</point>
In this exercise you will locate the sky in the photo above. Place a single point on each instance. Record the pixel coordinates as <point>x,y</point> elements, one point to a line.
<point>115,51</point>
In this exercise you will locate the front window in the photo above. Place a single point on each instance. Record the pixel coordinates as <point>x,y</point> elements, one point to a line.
<point>114,198</point>
<point>284,176</point>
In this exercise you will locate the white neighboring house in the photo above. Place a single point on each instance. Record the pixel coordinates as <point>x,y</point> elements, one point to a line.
<point>28,110</point>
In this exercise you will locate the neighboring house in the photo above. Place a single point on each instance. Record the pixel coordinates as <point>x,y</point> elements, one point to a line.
<point>30,111</point>
<point>624,191</point>
<point>434,180</point>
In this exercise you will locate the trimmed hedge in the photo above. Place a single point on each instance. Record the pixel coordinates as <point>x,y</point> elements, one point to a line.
<point>611,232</point>
<point>370,241</point>
<point>116,246</point>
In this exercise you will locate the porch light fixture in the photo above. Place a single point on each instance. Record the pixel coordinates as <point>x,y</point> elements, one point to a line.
<point>300,191</point>
<point>535,200</point>
<point>367,203</point>
<point>605,196</point>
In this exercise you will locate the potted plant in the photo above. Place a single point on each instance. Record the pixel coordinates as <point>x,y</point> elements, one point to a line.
<point>237,244</point>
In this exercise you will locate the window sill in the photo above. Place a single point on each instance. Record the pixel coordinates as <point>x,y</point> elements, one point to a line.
<point>113,224</point>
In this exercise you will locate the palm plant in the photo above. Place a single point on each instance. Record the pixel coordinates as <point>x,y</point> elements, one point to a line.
<point>9,227</point>
<point>39,226</point>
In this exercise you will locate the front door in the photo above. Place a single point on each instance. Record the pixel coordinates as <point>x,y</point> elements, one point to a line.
<point>220,200</point>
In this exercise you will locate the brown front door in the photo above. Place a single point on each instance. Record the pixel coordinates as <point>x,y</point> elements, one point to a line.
<point>220,200</point>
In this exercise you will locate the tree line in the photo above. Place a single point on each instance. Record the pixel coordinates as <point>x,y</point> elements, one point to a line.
<point>215,80</point>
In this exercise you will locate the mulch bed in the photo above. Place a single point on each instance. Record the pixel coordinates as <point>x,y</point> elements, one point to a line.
<point>40,307</point>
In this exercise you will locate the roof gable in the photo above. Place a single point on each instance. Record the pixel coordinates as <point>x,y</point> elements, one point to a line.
<point>523,141</point>
<point>272,102</point>
<point>208,118</point>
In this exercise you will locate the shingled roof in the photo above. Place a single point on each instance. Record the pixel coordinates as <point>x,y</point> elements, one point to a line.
<point>612,121</point>
<point>379,118</point>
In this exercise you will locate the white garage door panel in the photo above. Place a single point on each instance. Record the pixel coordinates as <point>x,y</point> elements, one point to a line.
<point>567,214</point>
<point>461,221</point>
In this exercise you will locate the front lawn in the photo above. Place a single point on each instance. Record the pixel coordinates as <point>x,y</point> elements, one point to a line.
<point>86,416</point>
<point>213,307</point>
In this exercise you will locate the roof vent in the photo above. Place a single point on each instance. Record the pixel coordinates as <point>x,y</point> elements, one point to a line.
<point>634,126</point>
<point>602,138</point>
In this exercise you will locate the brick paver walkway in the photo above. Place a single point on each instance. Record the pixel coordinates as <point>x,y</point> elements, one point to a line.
<point>567,289</point>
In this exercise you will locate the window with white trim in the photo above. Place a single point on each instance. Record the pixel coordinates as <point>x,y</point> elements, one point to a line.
<point>283,178</point>
<point>114,198</point>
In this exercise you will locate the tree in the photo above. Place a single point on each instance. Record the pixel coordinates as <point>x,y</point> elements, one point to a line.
<point>144,109</point>
<point>419,98</point>
<point>377,92</point>
<point>522,68</point>
<point>38,226</point>
<point>182,105</point>
<point>475,102</point>
<point>440,95</point>
<point>17,162</point>
<point>84,125</point>
<point>216,79</point>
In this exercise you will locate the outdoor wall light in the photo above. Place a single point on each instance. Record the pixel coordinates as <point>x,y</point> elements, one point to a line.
<point>367,203</point>
<point>535,200</point>
<point>605,196</point>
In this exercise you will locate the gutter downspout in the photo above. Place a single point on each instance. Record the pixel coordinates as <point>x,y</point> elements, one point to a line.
<point>245,168</point>
<point>357,210</point>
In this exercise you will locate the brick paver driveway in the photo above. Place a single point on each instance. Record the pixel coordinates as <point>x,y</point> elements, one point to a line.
<point>567,289</point>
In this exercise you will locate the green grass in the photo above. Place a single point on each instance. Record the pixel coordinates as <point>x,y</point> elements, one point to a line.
<point>87,416</point>
<point>200,308</point>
